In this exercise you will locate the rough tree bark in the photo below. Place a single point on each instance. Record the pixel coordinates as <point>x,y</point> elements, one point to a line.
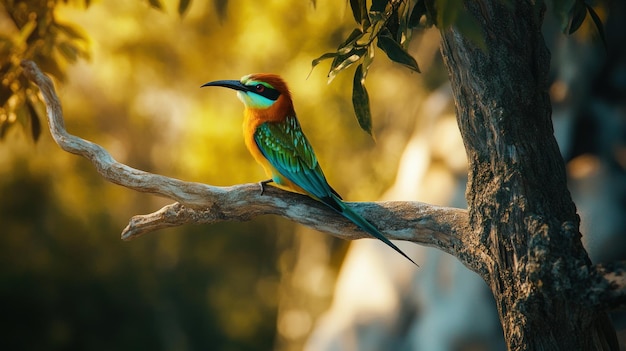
<point>520,210</point>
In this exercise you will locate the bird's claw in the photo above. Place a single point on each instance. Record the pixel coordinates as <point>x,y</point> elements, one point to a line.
<point>262,184</point>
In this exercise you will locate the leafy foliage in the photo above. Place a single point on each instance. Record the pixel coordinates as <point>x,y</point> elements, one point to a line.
<point>389,24</point>
<point>37,36</point>
<point>386,24</point>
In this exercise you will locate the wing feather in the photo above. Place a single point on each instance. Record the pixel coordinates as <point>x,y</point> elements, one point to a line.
<point>288,150</point>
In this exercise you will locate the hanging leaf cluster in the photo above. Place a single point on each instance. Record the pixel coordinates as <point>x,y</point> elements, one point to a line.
<point>387,25</point>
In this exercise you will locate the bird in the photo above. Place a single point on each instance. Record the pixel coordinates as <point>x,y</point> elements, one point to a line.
<point>272,134</point>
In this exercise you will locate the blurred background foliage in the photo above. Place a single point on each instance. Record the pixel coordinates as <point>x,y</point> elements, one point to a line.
<point>67,278</point>
<point>128,74</point>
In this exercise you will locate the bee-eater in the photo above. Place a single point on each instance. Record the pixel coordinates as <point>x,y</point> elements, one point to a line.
<point>273,136</point>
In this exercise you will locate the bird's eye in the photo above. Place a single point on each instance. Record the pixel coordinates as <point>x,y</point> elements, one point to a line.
<point>259,88</point>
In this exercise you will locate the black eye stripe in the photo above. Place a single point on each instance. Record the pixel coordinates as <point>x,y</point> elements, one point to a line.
<point>265,91</point>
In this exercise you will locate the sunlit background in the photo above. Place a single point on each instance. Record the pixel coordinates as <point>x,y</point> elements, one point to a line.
<point>67,281</point>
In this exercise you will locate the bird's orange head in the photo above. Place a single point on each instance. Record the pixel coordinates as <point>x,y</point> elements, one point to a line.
<point>264,94</point>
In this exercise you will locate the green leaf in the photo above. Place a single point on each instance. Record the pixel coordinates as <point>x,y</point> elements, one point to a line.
<point>344,61</point>
<point>470,28</point>
<point>418,11</point>
<point>598,22</point>
<point>453,13</point>
<point>393,26</point>
<point>579,12</point>
<point>156,4</point>
<point>395,51</point>
<point>377,11</point>
<point>35,124</point>
<point>68,51</point>
<point>361,101</point>
<point>562,10</point>
<point>352,38</point>
<point>4,127</point>
<point>448,12</point>
<point>348,52</point>
<point>220,8</point>
<point>183,5</point>
<point>379,5</point>
<point>22,116</point>
<point>345,50</point>
<point>431,12</point>
<point>364,18</point>
<point>355,6</point>
<point>26,31</point>
<point>376,17</point>
<point>71,31</point>
<point>367,61</point>
<point>325,56</point>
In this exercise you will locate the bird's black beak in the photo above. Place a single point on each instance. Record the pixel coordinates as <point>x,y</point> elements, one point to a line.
<point>232,84</point>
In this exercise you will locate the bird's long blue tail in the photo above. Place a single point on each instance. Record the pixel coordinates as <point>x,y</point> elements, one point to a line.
<point>340,207</point>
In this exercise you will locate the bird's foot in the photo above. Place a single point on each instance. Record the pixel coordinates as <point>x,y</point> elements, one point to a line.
<point>263,183</point>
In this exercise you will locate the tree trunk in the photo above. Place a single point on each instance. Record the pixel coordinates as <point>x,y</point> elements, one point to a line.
<point>520,209</point>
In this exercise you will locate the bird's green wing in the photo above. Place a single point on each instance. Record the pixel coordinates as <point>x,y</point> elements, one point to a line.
<point>287,149</point>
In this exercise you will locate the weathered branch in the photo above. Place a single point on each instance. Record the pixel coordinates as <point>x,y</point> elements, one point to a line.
<point>198,203</point>
<point>440,227</point>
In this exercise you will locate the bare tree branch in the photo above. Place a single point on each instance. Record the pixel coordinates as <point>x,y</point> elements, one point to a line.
<point>410,221</point>
<point>198,203</point>
<point>441,227</point>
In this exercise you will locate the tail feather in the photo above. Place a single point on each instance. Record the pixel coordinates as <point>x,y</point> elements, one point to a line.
<point>341,208</point>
